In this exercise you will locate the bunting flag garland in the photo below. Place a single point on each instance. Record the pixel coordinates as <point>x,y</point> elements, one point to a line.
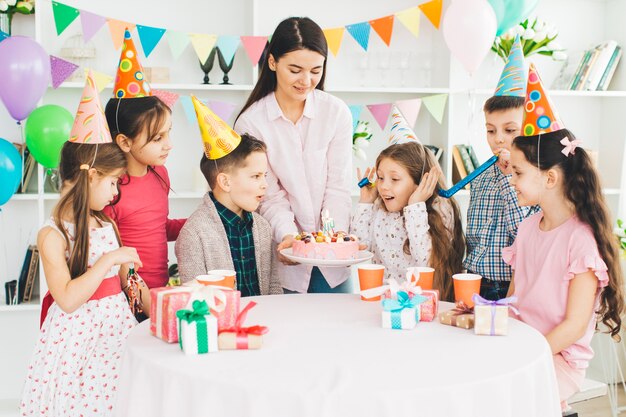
<point>380,112</point>
<point>202,44</point>
<point>361,33</point>
<point>64,15</point>
<point>254,46</point>
<point>91,23</point>
<point>436,105</point>
<point>356,110</point>
<point>117,28</point>
<point>178,42</point>
<point>409,109</point>
<point>223,109</point>
<point>384,27</point>
<point>190,112</point>
<point>167,97</point>
<point>228,46</point>
<point>149,38</point>
<point>3,36</point>
<point>334,38</point>
<point>60,70</point>
<point>410,18</point>
<point>101,80</point>
<point>432,10</point>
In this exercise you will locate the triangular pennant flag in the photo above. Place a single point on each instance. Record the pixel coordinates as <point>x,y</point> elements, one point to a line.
<point>356,110</point>
<point>436,105</point>
<point>202,44</point>
<point>149,38</point>
<point>60,70</point>
<point>91,24</point>
<point>432,10</point>
<point>228,47</point>
<point>117,29</point>
<point>101,80</point>
<point>178,42</point>
<point>222,108</point>
<point>334,38</point>
<point>513,79</point>
<point>410,18</point>
<point>90,124</point>
<point>361,33</point>
<point>63,16</point>
<point>218,138</point>
<point>188,107</point>
<point>540,115</point>
<point>383,26</point>
<point>400,130</point>
<point>254,46</point>
<point>167,97</point>
<point>380,113</point>
<point>409,109</point>
<point>3,36</point>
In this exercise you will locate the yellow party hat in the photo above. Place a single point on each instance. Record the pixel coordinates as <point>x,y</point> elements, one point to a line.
<point>218,138</point>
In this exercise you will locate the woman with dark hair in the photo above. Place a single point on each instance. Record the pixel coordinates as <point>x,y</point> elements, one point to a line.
<point>308,134</point>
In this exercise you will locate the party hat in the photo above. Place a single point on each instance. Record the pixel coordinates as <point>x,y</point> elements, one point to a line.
<point>90,124</point>
<point>129,82</point>
<point>218,138</point>
<point>512,81</point>
<point>401,132</point>
<point>539,113</point>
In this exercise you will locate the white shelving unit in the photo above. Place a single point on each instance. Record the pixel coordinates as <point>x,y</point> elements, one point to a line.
<point>410,68</point>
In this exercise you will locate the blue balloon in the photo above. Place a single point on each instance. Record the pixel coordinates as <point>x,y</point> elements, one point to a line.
<point>10,170</point>
<point>510,13</point>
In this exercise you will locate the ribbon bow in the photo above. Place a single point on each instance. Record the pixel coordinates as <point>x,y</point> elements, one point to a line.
<point>570,146</point>
<point>199,309</point>
<point>394,287</point>
<point>213,296</point>
<point>462,308</point>
<point>244,332</point>
<point>403,301</point>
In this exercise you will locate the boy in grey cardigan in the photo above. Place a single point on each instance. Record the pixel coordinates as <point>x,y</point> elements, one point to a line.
<point>224,232</point>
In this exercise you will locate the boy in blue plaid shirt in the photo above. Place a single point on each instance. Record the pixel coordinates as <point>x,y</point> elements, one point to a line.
<point>494,214</point>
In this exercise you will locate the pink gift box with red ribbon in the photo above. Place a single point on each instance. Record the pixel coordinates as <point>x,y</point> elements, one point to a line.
<point>239,337</point>
<point>228,317</point>
<point>165,302</point>
<point>428,309</point>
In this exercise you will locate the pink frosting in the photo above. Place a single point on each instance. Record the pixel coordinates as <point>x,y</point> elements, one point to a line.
<point>333,250</point>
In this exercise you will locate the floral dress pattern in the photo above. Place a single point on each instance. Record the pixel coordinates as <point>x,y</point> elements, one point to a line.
<point>75,368</point>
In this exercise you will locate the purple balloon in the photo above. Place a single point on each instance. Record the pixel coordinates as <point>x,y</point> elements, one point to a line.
<point>24,75</point>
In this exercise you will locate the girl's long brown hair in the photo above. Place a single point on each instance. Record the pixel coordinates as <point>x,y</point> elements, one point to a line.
<point>105,159</point>
<point>581,186</point>
<point>448,247</point>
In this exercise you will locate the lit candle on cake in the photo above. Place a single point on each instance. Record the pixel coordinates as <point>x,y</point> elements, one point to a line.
<point>328,224</point>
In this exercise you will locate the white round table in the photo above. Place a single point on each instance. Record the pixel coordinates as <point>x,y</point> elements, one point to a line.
<point>327,355</point>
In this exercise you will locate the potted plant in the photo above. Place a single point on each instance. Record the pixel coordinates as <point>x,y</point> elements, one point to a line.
<point>9,7</point>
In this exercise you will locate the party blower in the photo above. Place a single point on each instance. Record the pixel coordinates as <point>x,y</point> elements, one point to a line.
<point>469,178</point>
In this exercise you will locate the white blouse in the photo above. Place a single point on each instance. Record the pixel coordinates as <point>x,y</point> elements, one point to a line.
<point>384,233</point>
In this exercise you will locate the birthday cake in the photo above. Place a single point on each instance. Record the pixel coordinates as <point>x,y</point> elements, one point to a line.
<point>321,245</point>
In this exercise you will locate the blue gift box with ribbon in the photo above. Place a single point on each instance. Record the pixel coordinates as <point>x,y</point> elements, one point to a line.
<point>403,312</point>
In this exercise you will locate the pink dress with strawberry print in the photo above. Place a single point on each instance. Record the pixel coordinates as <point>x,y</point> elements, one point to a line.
<point>75,368</point>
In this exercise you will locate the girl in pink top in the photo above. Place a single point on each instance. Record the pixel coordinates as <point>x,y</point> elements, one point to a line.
<point>141,128</point>
<point>308,134</point>
<point>565,258</point>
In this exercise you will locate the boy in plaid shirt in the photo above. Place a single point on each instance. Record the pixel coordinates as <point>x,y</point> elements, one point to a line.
<point>494,214</point>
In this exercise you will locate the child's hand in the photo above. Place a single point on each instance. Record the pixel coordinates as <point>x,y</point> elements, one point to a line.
<point>369,193</point>
<point>125,255</point>
<point>426,187</point>
<point>286,243</point>
<point>504,162</point>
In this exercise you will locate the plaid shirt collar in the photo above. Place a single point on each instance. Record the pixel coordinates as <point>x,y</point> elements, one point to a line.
<point>229,216</point>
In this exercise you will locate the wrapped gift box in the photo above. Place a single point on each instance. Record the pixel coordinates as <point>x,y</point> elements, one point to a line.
<point>239,337</point>
<point>165,302</point>
<point>228,317</point>
<point>492,317</point>
<point>198,329</point>
<point>428,309</point>
<point>402,312</point>
<point>453,318</point>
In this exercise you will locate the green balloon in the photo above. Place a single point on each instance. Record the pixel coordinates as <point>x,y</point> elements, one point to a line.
<point>47,129</point>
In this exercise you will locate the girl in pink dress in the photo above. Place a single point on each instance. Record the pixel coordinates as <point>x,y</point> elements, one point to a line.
<point>75,367</point>
<point>565,258</point>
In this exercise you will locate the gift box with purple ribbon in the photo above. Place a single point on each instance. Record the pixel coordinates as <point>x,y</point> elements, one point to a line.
<point>492,317</point>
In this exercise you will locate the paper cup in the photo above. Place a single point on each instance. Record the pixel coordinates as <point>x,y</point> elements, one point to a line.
<point>370,276</point>
<point>466,285</point>
<point>426,276</point>
<point>218,277</point>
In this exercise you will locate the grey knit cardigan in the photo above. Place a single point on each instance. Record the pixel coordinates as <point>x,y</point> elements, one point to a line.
<point>202,245</point>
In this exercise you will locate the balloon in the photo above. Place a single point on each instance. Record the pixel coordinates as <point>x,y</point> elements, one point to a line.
<point>10,170</point>
<point>47,129</point>
<point>514,12</point>
<point>469,27</point>
<point>24,75</point>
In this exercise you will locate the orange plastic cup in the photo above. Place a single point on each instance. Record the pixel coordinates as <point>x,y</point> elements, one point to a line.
<point>218,277</point>
<point>426,276</point>
<point>465,286</point>
<point>370,276</point>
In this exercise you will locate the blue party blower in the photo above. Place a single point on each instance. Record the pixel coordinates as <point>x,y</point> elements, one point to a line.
<point>469,178</point>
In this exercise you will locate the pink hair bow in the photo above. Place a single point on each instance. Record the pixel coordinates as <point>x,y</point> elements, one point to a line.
<point>570,146</point>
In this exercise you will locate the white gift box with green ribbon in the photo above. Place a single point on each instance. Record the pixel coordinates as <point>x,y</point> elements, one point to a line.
<point>197,329</point>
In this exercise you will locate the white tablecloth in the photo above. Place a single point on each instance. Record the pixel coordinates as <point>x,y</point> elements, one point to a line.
<point>327,355</point>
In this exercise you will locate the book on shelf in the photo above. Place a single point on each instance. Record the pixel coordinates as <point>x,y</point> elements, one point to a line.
<point>28,275</point>
<point>603,85</point>
<point>594,71</point>
<point>458,168</point>
<point>473,156</point>
<point>465,156</point>
<point>437,152</point>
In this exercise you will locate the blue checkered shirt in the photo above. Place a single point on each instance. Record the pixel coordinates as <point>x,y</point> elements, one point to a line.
<point>241,240</point>
<point>492,219</point>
